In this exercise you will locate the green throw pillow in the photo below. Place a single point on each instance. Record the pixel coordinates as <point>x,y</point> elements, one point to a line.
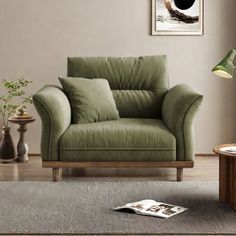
<point>91,99</point>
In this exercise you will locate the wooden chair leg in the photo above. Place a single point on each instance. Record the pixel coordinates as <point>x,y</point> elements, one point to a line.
<point>179,174</point>
<point>55,174</point>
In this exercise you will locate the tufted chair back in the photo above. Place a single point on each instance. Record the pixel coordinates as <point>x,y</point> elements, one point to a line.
<point>139,84</point>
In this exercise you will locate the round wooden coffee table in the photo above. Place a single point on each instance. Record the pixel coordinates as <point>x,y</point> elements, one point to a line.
<point>227,173</point>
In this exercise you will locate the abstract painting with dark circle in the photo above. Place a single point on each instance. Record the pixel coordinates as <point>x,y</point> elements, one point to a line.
<point>177,17</point>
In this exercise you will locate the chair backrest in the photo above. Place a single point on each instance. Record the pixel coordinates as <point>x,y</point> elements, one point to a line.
<point>139,84</point>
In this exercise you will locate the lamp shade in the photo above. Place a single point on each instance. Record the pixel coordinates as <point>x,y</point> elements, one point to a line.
<point>225,68</point>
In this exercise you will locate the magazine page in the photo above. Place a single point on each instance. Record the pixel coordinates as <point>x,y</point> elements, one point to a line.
<point>152,208</point>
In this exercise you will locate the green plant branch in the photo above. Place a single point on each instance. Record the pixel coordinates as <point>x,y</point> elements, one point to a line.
<point>15,89</point>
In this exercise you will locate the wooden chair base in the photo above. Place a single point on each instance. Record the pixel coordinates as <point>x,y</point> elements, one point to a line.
<point>179,174</point>
<point>55,174</point>
<point>56,165</point>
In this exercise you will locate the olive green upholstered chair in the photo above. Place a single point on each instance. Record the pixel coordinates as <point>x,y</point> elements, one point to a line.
<point>154,128</point>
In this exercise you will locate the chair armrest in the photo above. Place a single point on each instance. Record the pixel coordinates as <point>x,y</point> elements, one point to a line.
<point>55,113</point>
<point>178,111</point>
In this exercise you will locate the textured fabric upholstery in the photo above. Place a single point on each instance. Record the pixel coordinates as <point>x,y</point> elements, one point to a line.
<point>129,139</point>
<point>91,100</point>
<point>178,110</point>
<point>156,124</point>
<point>55,112</point>
<point>138,84</point>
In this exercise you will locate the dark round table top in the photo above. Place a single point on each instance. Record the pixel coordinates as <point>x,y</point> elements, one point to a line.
<point>227,150</point>
<point>21,120</point>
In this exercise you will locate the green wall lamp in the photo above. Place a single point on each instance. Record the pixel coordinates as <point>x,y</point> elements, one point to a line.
<point>225,68</point>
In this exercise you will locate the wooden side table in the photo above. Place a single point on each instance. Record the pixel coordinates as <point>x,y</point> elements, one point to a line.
<point>227,175</point>
<point>22,147</point>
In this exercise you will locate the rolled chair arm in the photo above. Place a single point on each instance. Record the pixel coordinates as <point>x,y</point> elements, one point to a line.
<point>178,111</point>
<point>55,113</point>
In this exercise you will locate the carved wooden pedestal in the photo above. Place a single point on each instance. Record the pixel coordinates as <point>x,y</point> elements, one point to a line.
<point>227,176</point>
<point>22,147</point>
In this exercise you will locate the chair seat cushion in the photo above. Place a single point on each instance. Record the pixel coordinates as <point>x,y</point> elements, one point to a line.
<point>126,139</point>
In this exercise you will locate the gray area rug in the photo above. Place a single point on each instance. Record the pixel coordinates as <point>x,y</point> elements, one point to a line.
<point>84,207</point>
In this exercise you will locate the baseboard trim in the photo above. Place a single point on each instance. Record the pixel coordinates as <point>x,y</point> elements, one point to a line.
<point>206,155</point>
<point>34,154</point>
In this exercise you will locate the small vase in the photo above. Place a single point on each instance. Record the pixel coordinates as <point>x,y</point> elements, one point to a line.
<point>7,149</point>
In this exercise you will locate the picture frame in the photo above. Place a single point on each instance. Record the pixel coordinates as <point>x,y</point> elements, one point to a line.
<point>168,19</point>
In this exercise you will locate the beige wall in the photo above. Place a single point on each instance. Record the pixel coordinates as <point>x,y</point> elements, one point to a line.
<point>36,36</point>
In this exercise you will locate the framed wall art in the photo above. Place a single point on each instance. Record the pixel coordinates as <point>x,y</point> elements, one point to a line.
<point>177,17</point>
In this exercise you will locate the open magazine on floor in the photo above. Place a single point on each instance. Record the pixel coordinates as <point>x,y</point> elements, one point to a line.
<point>152,208</point>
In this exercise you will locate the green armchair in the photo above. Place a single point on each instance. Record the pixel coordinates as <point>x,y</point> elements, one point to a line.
<point>155,128</point>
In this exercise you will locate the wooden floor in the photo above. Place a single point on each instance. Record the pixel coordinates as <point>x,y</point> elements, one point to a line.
<point>205,169</point>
